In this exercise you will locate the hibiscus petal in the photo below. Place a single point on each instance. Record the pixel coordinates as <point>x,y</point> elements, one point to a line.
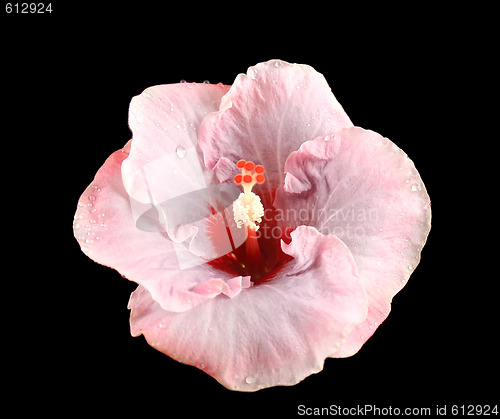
<point>164,173</point>
<point>269,113</point>
<point>105,228</point>
<point>164,155</point>
<point>362,188</point>
<point>276,333</point>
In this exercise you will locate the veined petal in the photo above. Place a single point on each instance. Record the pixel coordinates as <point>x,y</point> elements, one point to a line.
<point>165,158</point>
<point>360,187</point>
<point>268,113</point>
<point>107,232</point>
<point>271,334</point>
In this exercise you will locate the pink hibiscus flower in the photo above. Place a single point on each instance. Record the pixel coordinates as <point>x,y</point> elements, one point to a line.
<point>265,231</point>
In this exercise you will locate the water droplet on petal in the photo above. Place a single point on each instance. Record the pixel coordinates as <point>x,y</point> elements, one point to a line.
<point>416,188</point>
<point>180,151</point>
<point>206,81</point>
<point>250,380</point>
<point>410,267</point>
<point>183,81</point>
<point>91,198</point>
<point>253,73</point>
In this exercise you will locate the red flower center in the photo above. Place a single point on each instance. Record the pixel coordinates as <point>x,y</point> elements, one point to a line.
<point>264,266</point>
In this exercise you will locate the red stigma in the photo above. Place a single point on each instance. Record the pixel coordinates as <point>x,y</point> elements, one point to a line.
<point>250,173</point>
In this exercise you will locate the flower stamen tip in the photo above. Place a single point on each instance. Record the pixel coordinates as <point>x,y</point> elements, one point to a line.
<point>250,174</point>
<point>248,208</point>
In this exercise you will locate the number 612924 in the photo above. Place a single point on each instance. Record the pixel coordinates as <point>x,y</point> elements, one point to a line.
<point>28,8</point>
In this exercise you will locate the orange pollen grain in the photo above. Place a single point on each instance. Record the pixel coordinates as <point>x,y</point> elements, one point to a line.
<point>249,166</point>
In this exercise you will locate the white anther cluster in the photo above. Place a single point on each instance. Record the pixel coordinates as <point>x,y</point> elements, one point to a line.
<point>248,210</point>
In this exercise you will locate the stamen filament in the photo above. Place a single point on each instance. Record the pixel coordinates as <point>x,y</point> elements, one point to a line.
<point>248,209</point>
<point>254,256</point>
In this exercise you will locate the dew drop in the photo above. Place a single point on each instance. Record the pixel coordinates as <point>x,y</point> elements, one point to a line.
<point>76,226</point>
<point>183,81</point>
<point>410,267</point>
<point>206,82</point>
<point>253,73</point>
<point>250,380</point>
<point>277,64</point>
<point>180,151</point>
<point>91,198</point>
<point>416,188</point>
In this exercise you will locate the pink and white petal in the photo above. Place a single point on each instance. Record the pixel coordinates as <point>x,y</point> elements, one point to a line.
<point>164,173</point>
<point>164,157</point>
<point>360,187</point>
<point>106,231</point>
<point>267,114</point>
<point>272,334</point>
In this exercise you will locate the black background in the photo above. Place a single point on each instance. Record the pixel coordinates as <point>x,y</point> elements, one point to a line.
<point>68,80</point>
